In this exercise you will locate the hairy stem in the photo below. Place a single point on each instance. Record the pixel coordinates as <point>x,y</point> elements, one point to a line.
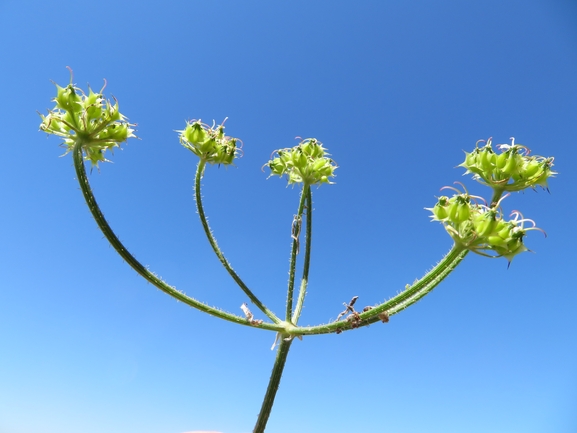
<point>406,298</point>
<point>307,259</point>
<point>279,363</point>
<point>211,239</point>
<point>135,264</point>
<point>296,228</point>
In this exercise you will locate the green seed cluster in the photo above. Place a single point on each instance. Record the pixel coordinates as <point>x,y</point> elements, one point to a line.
<point>209,143</point>
<point>89,118</point>
<point>306,163</point>
<point>479,228</point>
<point>511,170</point>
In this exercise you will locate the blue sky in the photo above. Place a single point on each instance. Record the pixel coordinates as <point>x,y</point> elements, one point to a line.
<point>396,91</point>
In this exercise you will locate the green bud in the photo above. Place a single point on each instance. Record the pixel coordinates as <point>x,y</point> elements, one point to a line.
<point>510,164</point>
<point>68,99</point>
<point>486,223</point>
<point>195,133</point>
<point>497,241</point>
<point>504,230</point>
<point>531,168</point>
<point>487,160</point>
<point>117,132</point>
<point>500,160</point>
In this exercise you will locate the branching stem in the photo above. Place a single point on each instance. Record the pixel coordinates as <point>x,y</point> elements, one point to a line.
<point>396,304</point>
<point>135,264</point>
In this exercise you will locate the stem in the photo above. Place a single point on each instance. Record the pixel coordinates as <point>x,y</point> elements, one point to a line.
<point>401,301</point>
<point>211,239</point>
<point>307,259</point>
<point>496,196</point>
<point>273,384</point>
<point>294,251</point>
<point>135,264</point>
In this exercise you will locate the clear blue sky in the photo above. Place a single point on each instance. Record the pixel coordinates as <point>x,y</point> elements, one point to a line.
<point>396,90</point>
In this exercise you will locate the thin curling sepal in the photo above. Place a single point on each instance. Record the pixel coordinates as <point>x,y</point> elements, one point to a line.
<point>90,119</point>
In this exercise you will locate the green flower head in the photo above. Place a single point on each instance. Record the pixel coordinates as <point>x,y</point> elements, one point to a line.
<point>209,142</point>
<point>88,119</point>
<point>306,163</point>
<point>511,170</point>
<point>480,228</point>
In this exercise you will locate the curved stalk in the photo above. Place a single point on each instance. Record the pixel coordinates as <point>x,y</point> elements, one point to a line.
<point>211,239</point>
<point>422,287</point>
<point>135,264</point>
<point>399,302</point>
<point>279,363</point>
<point>307,259</point>
<point>296,228</point>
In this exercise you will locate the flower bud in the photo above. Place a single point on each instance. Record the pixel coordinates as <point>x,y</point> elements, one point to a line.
<point>510,164</point>
<point>487,159</point>
<point>68,99</point>
<point>486,223</point>
<point>500,161</point>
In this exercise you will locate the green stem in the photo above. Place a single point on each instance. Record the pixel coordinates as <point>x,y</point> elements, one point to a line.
<point>135,264</point>
<point>211,239</point>
<point>296,227</point>
<point>401,301</point>
<point>279,363</point>
<point>307,259</point>
<point>497,193</point>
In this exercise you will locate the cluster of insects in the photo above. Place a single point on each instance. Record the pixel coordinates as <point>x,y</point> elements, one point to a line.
<point>353,316</point>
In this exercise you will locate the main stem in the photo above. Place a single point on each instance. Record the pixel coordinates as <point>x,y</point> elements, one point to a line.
<point>285,339</point>
<point>280,360</point>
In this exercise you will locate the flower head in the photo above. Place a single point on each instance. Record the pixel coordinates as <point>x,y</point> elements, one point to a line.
<point>307,163</point>
<point>511,170</point>
<point>90,119</point>
<point>209,142</point>
<point>480,228</point>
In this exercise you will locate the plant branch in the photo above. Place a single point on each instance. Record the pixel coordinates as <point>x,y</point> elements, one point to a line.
<point>211,239</point>
<point>135,264</point>
<point>399,302</point>
<point>296,228</point>
<point>307,259</point>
